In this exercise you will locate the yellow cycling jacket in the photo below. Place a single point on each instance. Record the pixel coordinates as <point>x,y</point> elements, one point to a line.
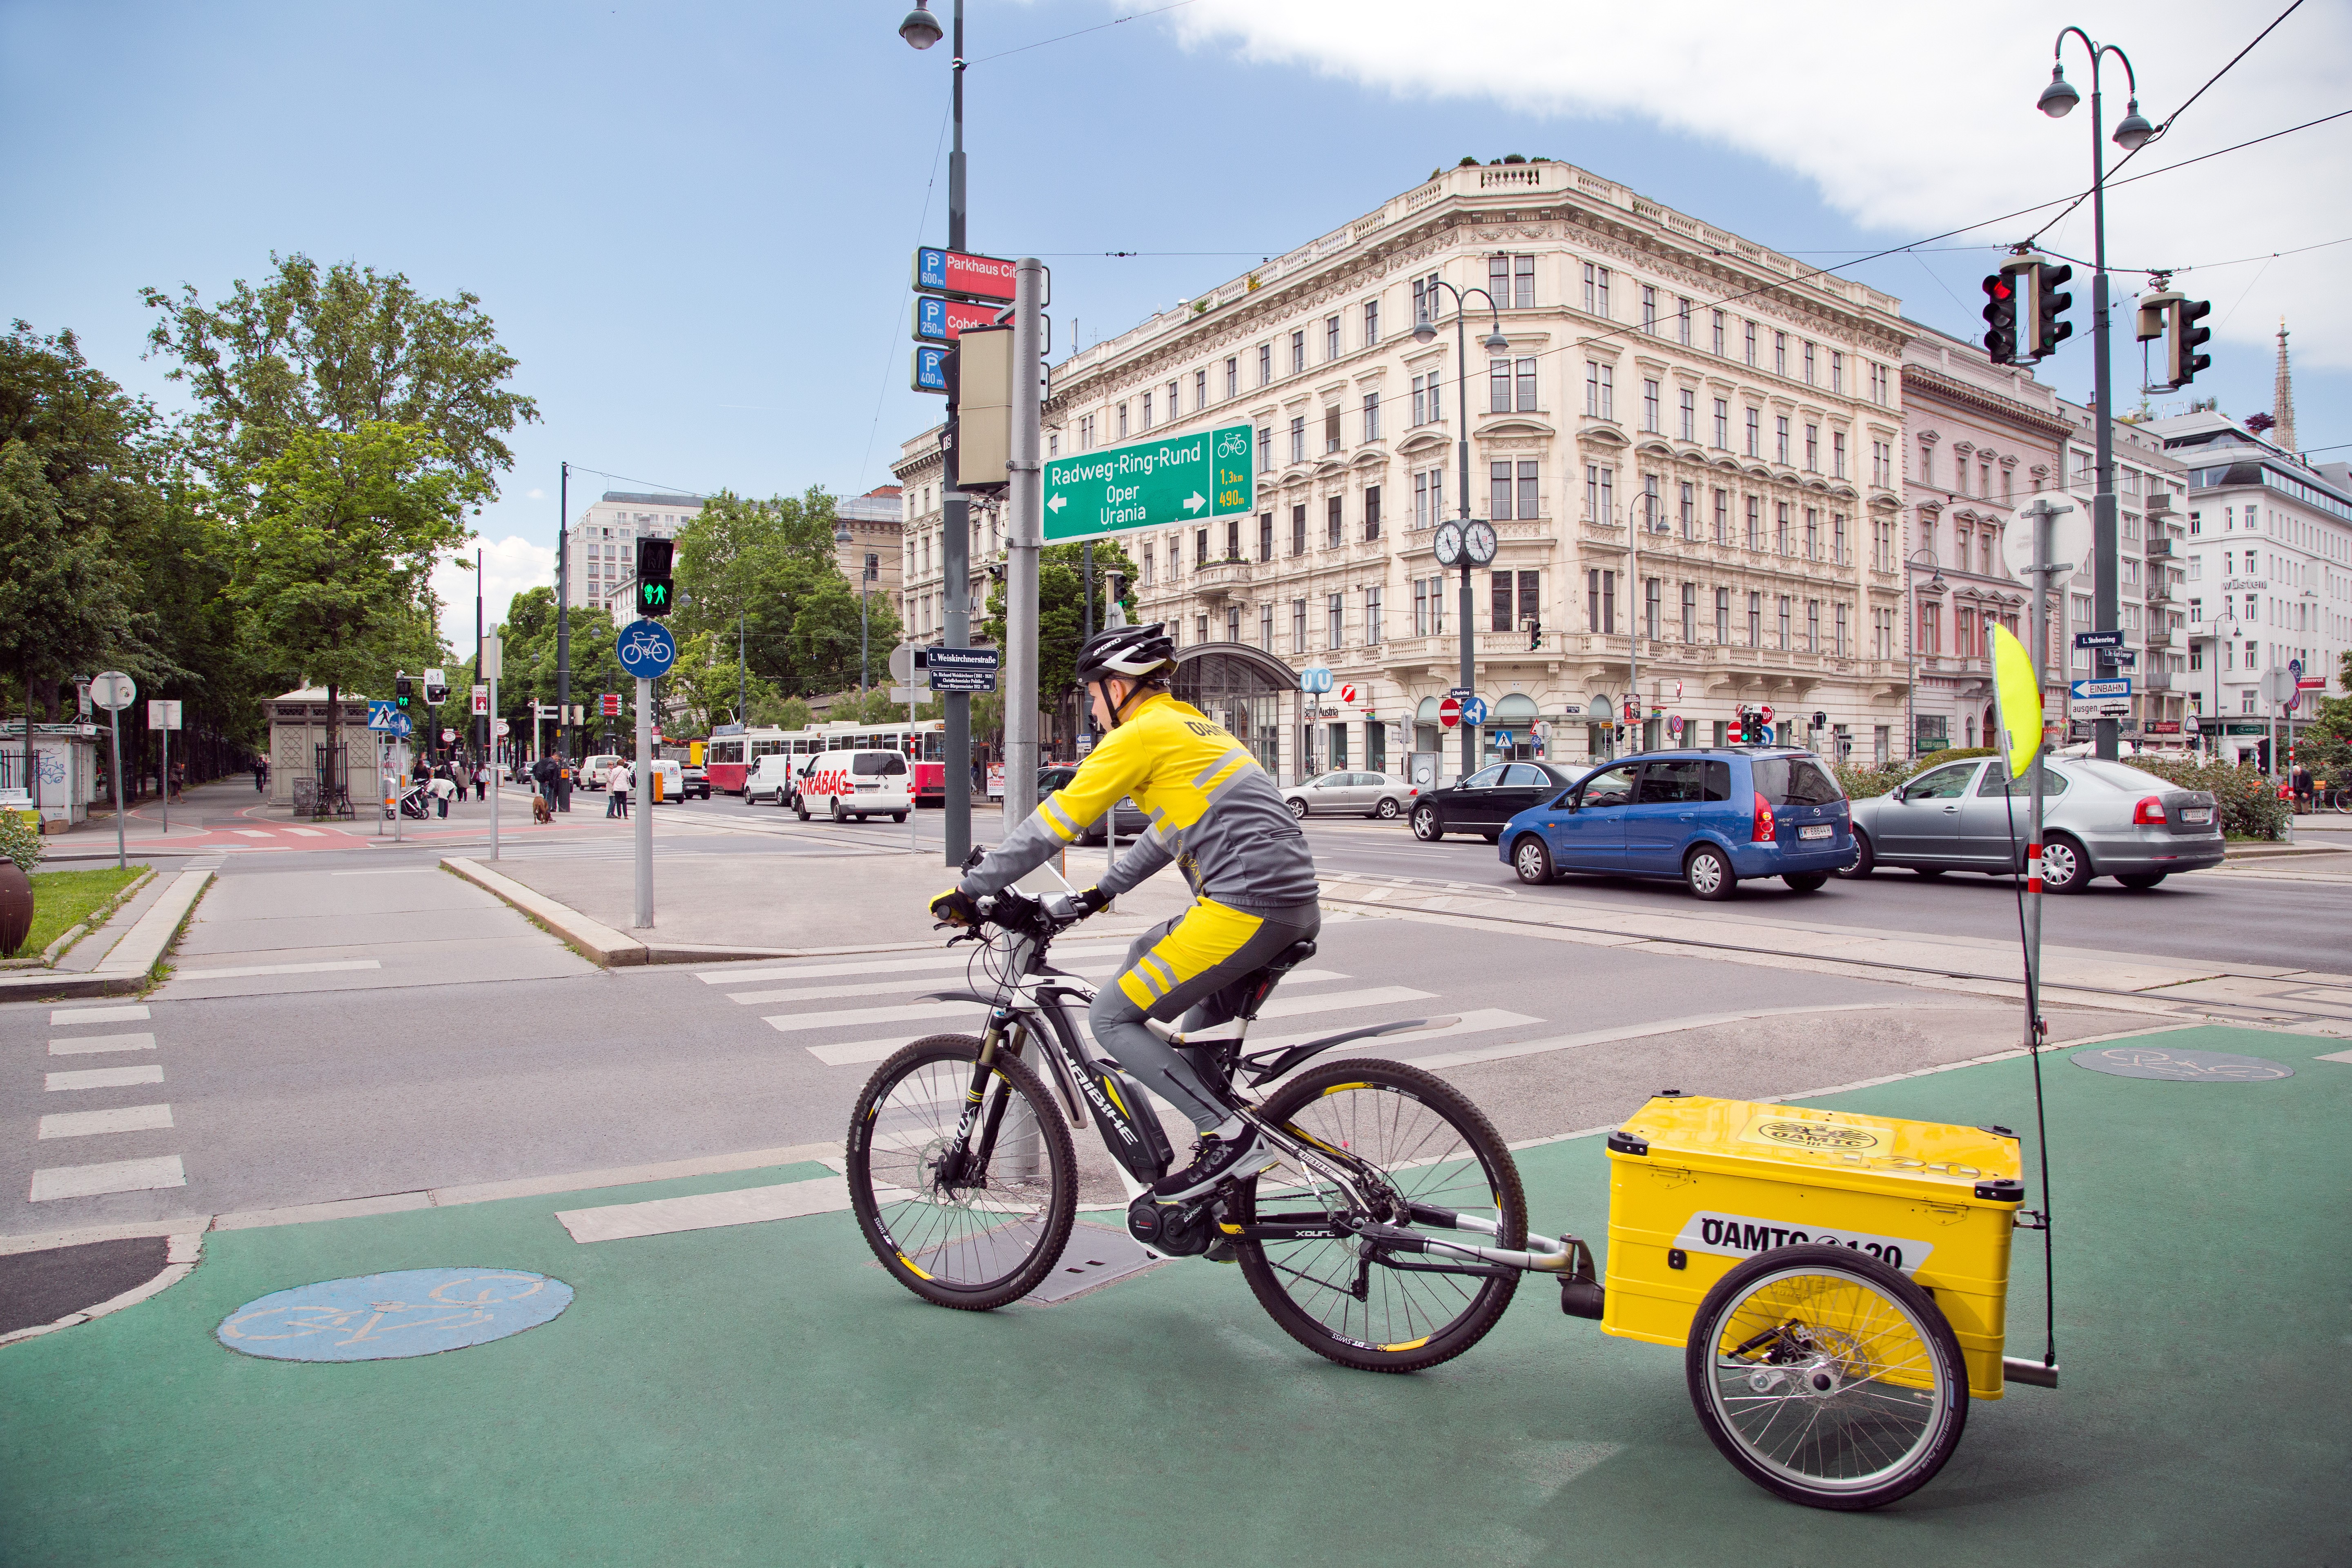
<point>1213,812</point>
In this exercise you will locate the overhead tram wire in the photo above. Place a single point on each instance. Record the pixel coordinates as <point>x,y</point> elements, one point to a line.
<point>1097,28</point>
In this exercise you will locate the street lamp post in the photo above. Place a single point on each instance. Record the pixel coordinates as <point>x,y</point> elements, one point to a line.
<point>1425,331</point>
<point>2058,100</point>
<point>1935,584</point>
<point>921,29</point>
<point>2221,629</point>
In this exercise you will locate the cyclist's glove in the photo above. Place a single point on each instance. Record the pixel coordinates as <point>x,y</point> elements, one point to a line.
<point>956,907</point>
<point>1088,901</point>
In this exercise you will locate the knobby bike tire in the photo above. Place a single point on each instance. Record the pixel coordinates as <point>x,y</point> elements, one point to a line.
<point>1408,1321</point>
<point>972,1248</point>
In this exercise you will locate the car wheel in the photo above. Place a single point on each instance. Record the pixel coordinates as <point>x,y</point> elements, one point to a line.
<point>833,809</point>
<point>1531,860</point>
<point>1709,874</point>
<point>1298,808</point>
<point>1426,826</point>
<point>1863,861</point>
<point>2065,869</point>
<point>1386,811</point>
<point>799,807</point>
<point>898,816</point>
<point>2141,881</point>
<point>1806,881</point>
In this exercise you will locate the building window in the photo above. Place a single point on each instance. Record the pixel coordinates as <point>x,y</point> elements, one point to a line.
<point>1151,557</point>
<point>1650,406</point>
<point>1054,446</point>
<point>1785,644</point>
<point>1499,506</point>
<point>1690,612</point>
<point>1233,623</point>
<point>1649,310</point>
<point>1298,439</point>
<point>1266,627</point>
<point>1780,353</point>
<point>1837,453</point>
<point>1813,448</point>
<point>1523,283</point>
<point>1755,432</point>
<point>1499,602</point>
<point>1331,428</point>
<point>1837,537</point>
<point>1265,364</point>
<point>1122,421</point>
<point>1596,289</point>
<point>1335,612</point>
<point>1650,587</point>
<point>1842,630</point>
<point>1599,602</point>
<point>1499,387</point>
<point>1372,417</point>
<point>1781,527</point>
<point>1372,511</point>
<point>1265,448</point>
<point>1689,510</point>
<point>1330,337</point>
<point>1298,530</point>
<point>1232,376</point>
<point>1599,390</point>
<point>1530,491</point>
<point>1715,332</point>
<point>1682,320</point>
<point>1780,438</point>
<point>1722,517</point>
<point>1372,322</point>
<point>1086,433</point>
<point>1881,465</point>
<point>1812,625</point>
<point>1332,527</point>
<point>1526,384</point>
<point>1723,616</point>
<point>1808,363</point>
<point>1200,390</point>
<point>1650,502</point>
<point>1879,379</point>
<point>1298,626</point>
<point>1751,342</point>
<point>1146,411</point>
<point>1599,501</point>
<point>1722,425</point>
<point>1298,352</point>
<point>1690,414</point>
<point>1755,524</point>
<point>1372,617</point>
<point>1837,372</point>
<point>1173,387</point>
<point>1200,548</point>
<point>1754,620</point>
<point>1266,536</point>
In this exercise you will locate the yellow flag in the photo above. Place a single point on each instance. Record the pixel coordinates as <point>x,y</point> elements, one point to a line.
<point>2017,700</point>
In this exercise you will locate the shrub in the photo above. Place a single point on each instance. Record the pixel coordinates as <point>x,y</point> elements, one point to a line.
<point>1861,783</point>
<point>20,840</point>
<point>2246,796</point>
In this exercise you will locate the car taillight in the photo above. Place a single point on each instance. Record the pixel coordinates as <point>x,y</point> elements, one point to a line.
<point>2148,813</point>
<point>1763,830</point>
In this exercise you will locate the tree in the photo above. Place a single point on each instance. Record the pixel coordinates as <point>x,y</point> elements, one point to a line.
<point>772,564</point>
<point>338,544</point>
<point>336,351</point>
<point>1061,608</point>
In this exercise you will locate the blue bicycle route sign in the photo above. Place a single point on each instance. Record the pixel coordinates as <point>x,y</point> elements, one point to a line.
<point>646,649</point>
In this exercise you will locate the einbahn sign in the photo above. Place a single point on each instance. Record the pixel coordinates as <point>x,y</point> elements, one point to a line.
<point>1149,484</point>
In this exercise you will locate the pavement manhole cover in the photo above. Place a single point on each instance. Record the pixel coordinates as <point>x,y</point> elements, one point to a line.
<point>2181,1067</point>
<point>384,1317</point>
<point>1095,1257</point>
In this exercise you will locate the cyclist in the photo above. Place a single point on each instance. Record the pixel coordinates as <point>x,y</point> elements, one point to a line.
<point>1218,818</point>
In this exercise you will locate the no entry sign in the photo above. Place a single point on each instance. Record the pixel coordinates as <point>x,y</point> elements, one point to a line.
<point>1449,712</point>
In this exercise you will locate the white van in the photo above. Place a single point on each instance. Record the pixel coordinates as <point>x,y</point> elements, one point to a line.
<point>593,770</point>
<point>770,778</point>
<point>843,784</point>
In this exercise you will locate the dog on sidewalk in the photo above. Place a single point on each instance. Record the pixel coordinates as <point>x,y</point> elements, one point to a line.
<point>539,811</point>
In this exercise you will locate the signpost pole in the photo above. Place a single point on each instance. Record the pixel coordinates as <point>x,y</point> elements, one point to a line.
<point>2044,525</point>
<point>642,787</point>
<point>491,663</point>
<point>115,728</point>
<point>1024,520</point>
<point>166,733</point>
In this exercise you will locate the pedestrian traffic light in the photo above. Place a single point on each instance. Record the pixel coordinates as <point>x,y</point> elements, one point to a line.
<point>654,593</point>
<point>2000,319</point>
<point>2049,305</point>
<point>402,688</point>
<point>2181,359</point>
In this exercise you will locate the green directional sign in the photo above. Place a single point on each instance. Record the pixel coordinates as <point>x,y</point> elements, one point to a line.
<point>1175,479</point>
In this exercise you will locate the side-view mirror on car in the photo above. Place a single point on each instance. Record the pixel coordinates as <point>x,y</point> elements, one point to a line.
<point>1898,792</point>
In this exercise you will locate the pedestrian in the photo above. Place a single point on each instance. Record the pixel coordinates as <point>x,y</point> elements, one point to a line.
<point>442,787</point>
<point>616,789</point>
<point>481,781</point>
<point>2301,779</point>
<point>260,775</point>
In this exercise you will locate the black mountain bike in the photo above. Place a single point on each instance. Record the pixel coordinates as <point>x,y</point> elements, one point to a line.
<point>1387,1233</point>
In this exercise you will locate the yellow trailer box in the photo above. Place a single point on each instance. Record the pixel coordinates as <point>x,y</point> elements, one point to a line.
<point>1699,1185</point>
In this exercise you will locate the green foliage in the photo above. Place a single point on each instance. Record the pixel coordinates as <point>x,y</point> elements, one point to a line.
<point>1061,610</point>
<point>782,712</point>
<point>20,839</point>
<point>876,707</point>
<point>2246,796</point>
<point>773,564</point>
<point>338,350</point>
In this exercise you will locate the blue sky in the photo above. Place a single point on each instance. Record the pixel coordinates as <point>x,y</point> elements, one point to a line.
<point>692,222</point>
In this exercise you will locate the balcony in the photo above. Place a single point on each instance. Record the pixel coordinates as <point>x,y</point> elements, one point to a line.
<point>2155,681</point>
<point>2158,637</point>
<point>1218,579</point>
<point>2160,547</point>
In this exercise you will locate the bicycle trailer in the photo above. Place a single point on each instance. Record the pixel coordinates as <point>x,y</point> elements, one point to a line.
<point>1699,1187</point>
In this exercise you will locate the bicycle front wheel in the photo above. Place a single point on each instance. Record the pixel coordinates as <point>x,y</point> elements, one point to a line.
<point>1414,1139</point>
<point>1826,1376</point>
<point>974,1220</point>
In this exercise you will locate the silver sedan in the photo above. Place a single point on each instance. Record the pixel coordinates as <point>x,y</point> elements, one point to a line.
<point>2100,819</point>
<point>1383,796</point>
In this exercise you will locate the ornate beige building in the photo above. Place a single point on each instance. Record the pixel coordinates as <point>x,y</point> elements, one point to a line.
<point>1688,448</point>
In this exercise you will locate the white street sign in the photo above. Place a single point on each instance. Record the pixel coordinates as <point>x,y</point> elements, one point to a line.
<point>114,692</point>
<point>481,699</point>
<point>162,713</point>
<point>493,657</point>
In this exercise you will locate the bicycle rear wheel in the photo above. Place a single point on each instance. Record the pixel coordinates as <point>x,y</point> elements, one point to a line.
<point>1826,1376</point>
<point>972,1223</point>
<point>1416,1140</point>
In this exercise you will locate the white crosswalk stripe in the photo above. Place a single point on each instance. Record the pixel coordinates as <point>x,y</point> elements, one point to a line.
<point>59,1182</point>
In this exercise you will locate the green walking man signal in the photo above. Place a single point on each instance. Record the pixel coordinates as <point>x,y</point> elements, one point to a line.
<point>653,594</point>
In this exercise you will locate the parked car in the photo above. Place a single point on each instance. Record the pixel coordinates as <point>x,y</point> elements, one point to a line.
<point>693,781</point>
<point>1713,817</point>
<point>859,784</point>
<point>770,779</point>
<point>2099,819</point>
<point>1343,793</point>
<point>1132,824</point>
<point>1487,799</point>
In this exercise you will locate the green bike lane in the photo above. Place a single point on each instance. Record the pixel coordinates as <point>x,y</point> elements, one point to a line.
<point>763,1393</point>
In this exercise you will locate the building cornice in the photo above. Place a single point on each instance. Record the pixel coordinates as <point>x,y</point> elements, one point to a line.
<point>1961,394</point>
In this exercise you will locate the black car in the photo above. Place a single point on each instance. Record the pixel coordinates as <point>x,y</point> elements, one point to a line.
<point>1488,798</point>
<point>1132,824</point>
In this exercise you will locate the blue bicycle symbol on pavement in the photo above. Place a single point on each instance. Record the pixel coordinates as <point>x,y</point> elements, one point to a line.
<point>646,649</point>
<point>384,1317</point>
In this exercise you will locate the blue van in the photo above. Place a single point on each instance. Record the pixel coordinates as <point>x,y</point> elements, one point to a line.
<point>1714,816</point>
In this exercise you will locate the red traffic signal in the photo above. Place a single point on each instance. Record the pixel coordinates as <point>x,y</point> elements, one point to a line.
<point>2000,319</point>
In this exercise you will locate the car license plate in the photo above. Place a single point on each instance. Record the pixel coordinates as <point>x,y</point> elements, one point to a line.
<point>1818,830</point>
<point>2198,814</point>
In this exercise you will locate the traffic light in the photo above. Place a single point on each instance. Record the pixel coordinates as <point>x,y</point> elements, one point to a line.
<point>652,577</point>
<point>435,694</point>
<point>1535,634</point>
<point>2000,319</point>
<point>2181,359</point>
<point>402,688</point>
<point>2049,304</point>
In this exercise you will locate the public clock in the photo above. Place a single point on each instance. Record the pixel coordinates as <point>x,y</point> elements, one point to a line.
<point>1479,538</point>
<point>1449,544</point>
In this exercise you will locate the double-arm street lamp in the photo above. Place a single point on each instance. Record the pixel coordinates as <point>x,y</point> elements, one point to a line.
<point>1468,545</point>
<point>2057,101</point>
<point>1935,584</point>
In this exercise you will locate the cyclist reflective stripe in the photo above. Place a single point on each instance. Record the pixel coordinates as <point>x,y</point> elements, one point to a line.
<point>1217,767</point>
<point>1051,810</point>
<point>1146,982</point>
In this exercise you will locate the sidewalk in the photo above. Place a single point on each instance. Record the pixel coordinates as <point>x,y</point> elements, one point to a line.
<point>763,1393</point>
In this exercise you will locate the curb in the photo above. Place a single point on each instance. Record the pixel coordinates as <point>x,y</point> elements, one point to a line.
<point>596,942</point>
<point>2277,851</point>
<point>127,967</point>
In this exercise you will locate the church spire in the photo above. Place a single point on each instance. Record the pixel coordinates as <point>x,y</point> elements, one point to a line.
<point>2281,431</point>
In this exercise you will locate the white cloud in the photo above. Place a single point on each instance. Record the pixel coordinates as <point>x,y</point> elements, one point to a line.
<point>510,566</point>
<point>538,495</point>
<point>1908,118</point>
